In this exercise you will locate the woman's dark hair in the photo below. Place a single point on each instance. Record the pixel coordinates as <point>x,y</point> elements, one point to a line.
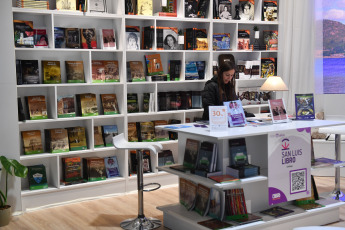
<point>225,90</point>
<point>133,35</point>
<point>166,39</point>
<point>246,4</point>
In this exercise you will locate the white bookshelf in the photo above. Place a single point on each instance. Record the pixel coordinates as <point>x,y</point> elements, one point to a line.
<point>116,19</point>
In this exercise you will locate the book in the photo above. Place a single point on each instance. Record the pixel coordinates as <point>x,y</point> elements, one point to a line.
<point>278,111</point>
<point>201,41</point>
<point>190,156</point>
<point>202,200</point>
<point>238,152</point>
<point>304,105</point>
<point>59,37</point>
<point>196,100</point>
<point>223,179</point>
<point>135,71</point>
<point>19,72</point>
<point>108,39</point>
<point>221,41</point>
<point>76,138</point>
<point>174,69</point>
<point>206,157</point>
<point>111,167</point>
<point>203,8</point>
<point>235,204</point>
<point>40,38</point>
<point>21,114</point>
<point>277,211</point>
<point>131,7</point>
<point>56,140</point>
<point>145,7</point>
<point>236,116</point>
<point>224,9</point>
<point>109,131</point>
<point>72,36</point>
<point>217,204</point>
<point>98,71</point>
<point>271,39</point>
<point>109,104</point>
<point>43,5</point>
<point>88,38</point>
<point>153,64</point>
<point>147,131</point>
<point>75,71</point>
<point>249,218</point>
<point>97,6</point>
<point>269,11</point>
<point>132,103</point>
<point>133,37</point>
<point>98,141</point>
<point>65,106</point>
<point>169,38</point>
<point>268,67</point>
<point>201,65</point>
<point>243,171</point>
<point>29,72</point>
<point>71,169</point>
<point>87,104</point>
<point>66,5</point>
<point>215,224</point>
<point>51,72</point>
<point>111,71</point>
<point>165,157</point>
<point>246,10</point>
<point>182,190</point>
<point>94,169</point>
<point>169,10</point>
<point>147,37</point>
<point>255,73</point>
<point>326,162</point>
<point>132,132</point>
<point>191,8</point>
<point>146,164</point>
<point>37,177</point>
<point>160,134</point>
<point>32,142</point>
<point>243,40</point>
<point>23,34</point>
<point>190,194</point>
<point>191,71</point>
<point>36,106</point>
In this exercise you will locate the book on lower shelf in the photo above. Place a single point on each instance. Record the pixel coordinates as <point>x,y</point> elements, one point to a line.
<point>188,191</point>
<point>98,141</point>
<point>56,140</point>
<point>135,71</point>
<point>32,142</point>
<point>75,71</point>
<point>277,211</point>
<point>71,170</point>
<point>215,224</point>
<point>235,204</point>
<point>202,200</point>
<point>77,138</point>
<point>326,162</point>
<point>109,131</point>
<point>112,167</point>
<point>94,169</point>
<point>217,204</point>
<point>165,157</point>
<point>37,177</point>
<point>65,106</point>
<point>190,156</point>
<point>37,107</point>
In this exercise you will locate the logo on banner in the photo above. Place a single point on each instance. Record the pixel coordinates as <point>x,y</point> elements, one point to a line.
<point>285,144</point>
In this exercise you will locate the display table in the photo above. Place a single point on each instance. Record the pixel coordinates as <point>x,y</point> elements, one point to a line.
<point>256,188</point>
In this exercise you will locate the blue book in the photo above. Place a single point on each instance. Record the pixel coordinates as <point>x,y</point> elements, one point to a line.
<point>109,131</point>
<point>304,104</point>
<point>111,167</point>
<point>221,41</point>
<point>236,116</point>
<point>191,72</point>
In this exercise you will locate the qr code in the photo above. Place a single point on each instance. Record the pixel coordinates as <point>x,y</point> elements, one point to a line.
<point>298,181</point>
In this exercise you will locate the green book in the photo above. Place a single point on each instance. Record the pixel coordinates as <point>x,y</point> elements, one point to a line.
<point>37,177</point>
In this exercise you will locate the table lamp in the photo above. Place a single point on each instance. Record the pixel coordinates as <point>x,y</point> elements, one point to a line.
<point>274,83</point>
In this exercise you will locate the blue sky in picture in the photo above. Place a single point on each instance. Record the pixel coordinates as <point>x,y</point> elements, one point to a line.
<point>334,10</point>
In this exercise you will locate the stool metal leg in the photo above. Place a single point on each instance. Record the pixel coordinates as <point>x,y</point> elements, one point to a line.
<point>337,194</point>
<point>141,222</point>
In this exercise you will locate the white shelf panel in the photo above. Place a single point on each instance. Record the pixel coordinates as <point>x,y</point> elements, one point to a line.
<point>155,51</point>
<point>70,85</point>
<point>254,22</point>
<point>141,83</point>
<point>92,183</point>
<point>50,50</point>
<point>134,176</point>
<point>181,82</point>
<point>37,156</point>
<point>28,192</point>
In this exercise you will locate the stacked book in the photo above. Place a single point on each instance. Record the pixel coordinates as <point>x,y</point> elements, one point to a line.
<point>33,4</point>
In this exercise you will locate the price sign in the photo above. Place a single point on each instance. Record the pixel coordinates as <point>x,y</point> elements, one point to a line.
<point>218,118</point>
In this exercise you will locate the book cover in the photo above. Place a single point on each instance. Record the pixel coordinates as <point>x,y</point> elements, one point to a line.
<point>29,72</point>
<point>145,7</point>
<point>98,141</point>
<point>224,9</point>
<point>37,108</point>
<point>222,179</point>
<point>108,39</point>
<point>133,37</point>
<point>66,5</point>
<point>77,138</point>
<point>278,111</point>
<point>75,71</point>
<point>246,10</point>
<point>235,204</point>
<point>276,211</point>
<point>71,169</point>
<point>87,104</point>
<point>182,190</point>
<point>98,71</point>
<point>132,103</point>
<point>268,67</point>
<point>191,71</point>
<point>32,142</point>
<point>131,7</point>
<point>243,40</point>
<point>153,64</point>
<point>190,194</point>
<point>174,69</point>
<point>51,72</point>
<point>215,224</point>
<point>146,161</point>
<point>221,41</point>
<point>88,38</point>
<point>23,34</point>
<point>196,100</point>
<point>148,37</point>
<point>109,131</point>
<point>165,157</point>
<point>191,153</point>
<point>40,38</point>
<point>202,201</point>
<point>271,39</point>
<point>170,38</point>
<point>56,140</point>
<point>111,167</point>
<point>37,177</point>
<point>161,134</point>
<point>217,204</point>
<point>21,114</point>
<point>136,71</point>
<point>201,41</point>
<point>96,169</point>
<point>200,65</point>
<point>304,105</point>
<point>147,131</point>
<point>270,11</point>
<point>249,218</point>
<point>236,116</point>
<point>205,159</point>
<point>72,36</point>
<point>65,106</point>
<point>203,8</point>
<point>146,102</point>
<point>238,152</point>
<point>109,104</point>
<point>111,71</point>
<point>59,37</point>
<point>132,132</point>
<point>191,8</point>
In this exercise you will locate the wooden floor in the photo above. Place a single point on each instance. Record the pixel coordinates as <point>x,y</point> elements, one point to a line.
<point>107,213</point>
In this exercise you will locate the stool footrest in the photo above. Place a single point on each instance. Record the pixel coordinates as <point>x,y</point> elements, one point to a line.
<point>152,189</point>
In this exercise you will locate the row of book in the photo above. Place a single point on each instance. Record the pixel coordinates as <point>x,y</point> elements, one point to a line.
<point>179,100</point>
<point>146,131</point>
<point>148,103</point>
<point>71,5</point>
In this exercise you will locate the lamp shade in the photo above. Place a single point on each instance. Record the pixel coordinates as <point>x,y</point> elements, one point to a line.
<point>274,83</point>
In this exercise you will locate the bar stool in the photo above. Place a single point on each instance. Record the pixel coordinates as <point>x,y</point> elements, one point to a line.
<point>140,222</point>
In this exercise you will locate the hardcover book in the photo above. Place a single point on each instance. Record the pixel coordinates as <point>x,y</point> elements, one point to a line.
<point>98,137</point>
<point>236,116</point>
<point>190,156</point>
<point>238,152</point>
<point>111,71</point>
<point>243,40</point>
<point>270,11</point>
<point>66,5</point>
<point>132,132</point>
<point>77,138</point>
<point>224,9</point>
<point>161,134</point>
<point>37,177</point>
<point>37,108</point>
<point>111,167</point>
<point>304,104</point>
<point>29,72</point>
<point>59,37</point>
<point>174,69</point>
<point>206,157</point>
<point>87,104</point>
<point>71,169</point>
<point>202,201</point>
<point>221,41</point>
<point>278,111</point>
<point>108,39</point>
<point>94,169</point>
<point>135,71</point>
<point>191,8</point>
<point>51,72</point>
<point>98,71</point>
<point>145,7</point>
<point>75,71</point>
<point>271,39</point>
<point>165,157</point>
<point>65,106</point>
<point>23,34</point>
<point>40,38</point>
<point>133,37</point>
<point>268,67</point>
<point>201,41</point>
<point>191,71</point>
<point>32,142</point>
<point>132,103</point>
<point>72,36</point>
<point>217,204</point>
<point>148,37</point>
<point>109,131</point>
<point>190,194</point>
<point>21,114</point>
<point>88,38</point>
<point>246,10</point>
<point>109,104</point>
<point>147,131</point>
<point>153,64</point>
<point>56,140</point>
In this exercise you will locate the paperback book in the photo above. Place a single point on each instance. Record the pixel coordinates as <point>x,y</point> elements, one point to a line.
<point>269,11</point>
<point>202,200</point>
<point>32,142</point>
<point>236,116</point>
<point>109,131</point>
<point>135,71</point>
<point>75,71</point>
<point>221,41</point>
<point>51,72</point>
<point>145,7</point>
<point>111,71</point>
<point>77,138</point>
<point>98,141</point>
<point>165,157</point>
<point>36,106</point>
<point>132,132</point>
<point>304,104</point>
<point>271,39</point>
<point>147,131</point>
<point>87,104</point>
<point>72,36</point>
<point>98,71</point>
<point>59,37</point>
<point>278,111</point>
<point>206,159</point>
<point>190,156</point>
<point>132,103</point>
<point>66,5</point>
<point>133,37</point>
<point>109,104</point>
<point>23,34</point>
<point>243,40</point>
<point>161,134</point>
<point>56,140</point>
<point>94,169</point>
<point>37,177</point>
<point>108,39</point>
<point>111,167</point>
<point>268,67</point>
<point>154,64</point>
<point>29,73</point>
<point>215,224</point>
<point>40,38</point>
<point>71,169</point>
<point>217,204</point>
<point>174,69</point>
<point>235,204</point>
<point>277,211</point>
<point>224,9</point>
<point>88,38</point>
<point>246,10</point>
<point>65,106</point>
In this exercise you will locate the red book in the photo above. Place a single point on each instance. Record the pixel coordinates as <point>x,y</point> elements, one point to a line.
<point>224,178</point>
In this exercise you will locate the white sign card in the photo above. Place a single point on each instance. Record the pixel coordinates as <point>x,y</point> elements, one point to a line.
<point>289,162</point>
<point>218,118</point>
